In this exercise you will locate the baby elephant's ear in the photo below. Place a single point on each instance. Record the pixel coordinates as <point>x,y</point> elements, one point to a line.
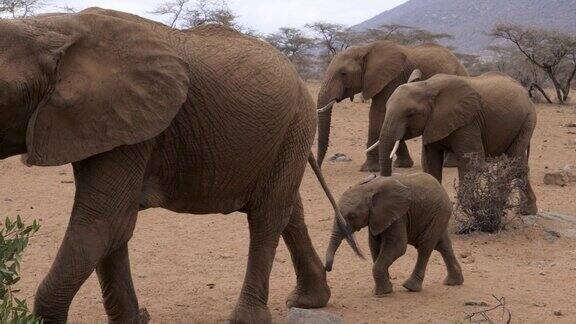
<point>389,203</point>
<point>118,83</point>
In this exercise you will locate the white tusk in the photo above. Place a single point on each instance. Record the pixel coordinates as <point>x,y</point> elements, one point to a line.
<point>328,106</point>
<point>396,145</point>
<point>375,145</point>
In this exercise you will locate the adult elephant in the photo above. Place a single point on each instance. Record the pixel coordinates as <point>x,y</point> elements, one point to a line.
<point>488,115</point>
<point>376,70</point>
<point>200,121</point>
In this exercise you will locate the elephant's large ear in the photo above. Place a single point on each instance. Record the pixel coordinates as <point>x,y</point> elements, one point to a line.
<point>452,107</point>
<point>389,203</point>
<point>383,62</point>
<point>117,83</point>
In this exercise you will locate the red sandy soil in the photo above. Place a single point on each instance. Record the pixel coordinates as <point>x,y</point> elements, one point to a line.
<point>190,268</point>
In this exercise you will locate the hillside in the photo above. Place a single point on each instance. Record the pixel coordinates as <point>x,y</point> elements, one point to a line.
<point>469,20</point>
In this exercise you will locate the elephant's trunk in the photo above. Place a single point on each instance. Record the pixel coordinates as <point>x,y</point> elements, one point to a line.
<point>392,131</point>
<point>335,240</point>
<point>327,94</point>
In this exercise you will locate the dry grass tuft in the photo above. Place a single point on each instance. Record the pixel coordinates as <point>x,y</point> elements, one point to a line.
<point>489,193</point>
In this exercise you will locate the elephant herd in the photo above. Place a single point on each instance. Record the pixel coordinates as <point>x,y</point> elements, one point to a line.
<point>208,120</point>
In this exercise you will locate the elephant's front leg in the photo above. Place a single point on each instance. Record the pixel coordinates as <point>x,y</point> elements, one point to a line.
<point>118,292</point>
<point>265,225</point>
<point>375,243</point>
<point>393,245</point>
<point>432,160</point>
<point>311,290</point>
<point>103,219</point>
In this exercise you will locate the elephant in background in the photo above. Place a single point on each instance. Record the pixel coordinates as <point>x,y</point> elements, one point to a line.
<point>399,210</point>
<point>488,115</point>
<point>200,121</point>
<point>376,70</point>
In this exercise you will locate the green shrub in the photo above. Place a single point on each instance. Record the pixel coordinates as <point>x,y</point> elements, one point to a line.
<point>14,236</point>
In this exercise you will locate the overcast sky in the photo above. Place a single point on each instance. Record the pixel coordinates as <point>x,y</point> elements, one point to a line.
<point>265,15</point>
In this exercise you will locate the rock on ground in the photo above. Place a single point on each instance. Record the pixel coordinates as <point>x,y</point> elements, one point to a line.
<point>561,177</point>
<point>309,316</point>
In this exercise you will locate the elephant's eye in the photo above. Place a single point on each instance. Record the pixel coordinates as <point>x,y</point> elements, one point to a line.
<point>343,73</point>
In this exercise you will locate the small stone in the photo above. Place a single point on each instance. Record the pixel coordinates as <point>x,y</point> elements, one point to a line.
<point>340,157</point>
<point>475,303</point>
<point>539,304</point>
<point>551,235</point>
<point>556,179</point>
<point>468,260</point>
<point>465,254</point>
<point>211,285</point>
<point>558,313</point>
<point>309,316</point>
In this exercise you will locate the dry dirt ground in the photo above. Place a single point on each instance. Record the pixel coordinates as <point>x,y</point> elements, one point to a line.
<point>189,268</point>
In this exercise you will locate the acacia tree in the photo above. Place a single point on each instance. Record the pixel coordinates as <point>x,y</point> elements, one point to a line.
<point>333,38</point>
<point>188,14</point>
<point>295,45</point>
<point>402,34</point>
<point>510,60</point>
<point>553,52</point>
<point>20,8</point>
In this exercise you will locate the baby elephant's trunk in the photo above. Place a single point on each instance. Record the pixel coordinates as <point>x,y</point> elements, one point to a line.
<point>335,241</point>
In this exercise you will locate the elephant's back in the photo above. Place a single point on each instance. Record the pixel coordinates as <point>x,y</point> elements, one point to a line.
<point>434,59</point>
<point>498,91</point>
<point>244,102</point>
<point>506,107</point>
<point>425,187</point>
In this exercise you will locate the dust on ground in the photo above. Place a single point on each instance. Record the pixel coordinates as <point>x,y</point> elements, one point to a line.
<point>189,268</point>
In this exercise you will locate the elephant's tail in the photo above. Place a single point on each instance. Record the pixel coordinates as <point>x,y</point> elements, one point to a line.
<point>346,229</point>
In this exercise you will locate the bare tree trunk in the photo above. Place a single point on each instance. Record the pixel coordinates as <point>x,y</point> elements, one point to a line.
<point>537,87</point>
<point>557,86</point>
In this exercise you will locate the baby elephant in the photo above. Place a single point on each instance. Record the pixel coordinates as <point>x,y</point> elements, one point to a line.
<point>399,210</point>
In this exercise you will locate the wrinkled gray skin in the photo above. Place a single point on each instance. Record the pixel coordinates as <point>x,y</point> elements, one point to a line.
<point>488,115</point>
<point>400,210</point>
<point>376,70</point>
<point>201,121</point>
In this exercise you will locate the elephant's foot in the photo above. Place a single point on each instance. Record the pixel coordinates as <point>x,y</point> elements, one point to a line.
<point>247,314</point>
<point>529,209</point>
<point>370,166</point>
<point>454,279</point>
<point>413,284</point>
<point>404,162</point>
<point>315,295</point>
<point>382,289</point>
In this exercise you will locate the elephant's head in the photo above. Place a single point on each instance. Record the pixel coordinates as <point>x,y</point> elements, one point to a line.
<point>366,69</point>
<point>376,202</point>
<point>75,85</point>
<point>432,109</point>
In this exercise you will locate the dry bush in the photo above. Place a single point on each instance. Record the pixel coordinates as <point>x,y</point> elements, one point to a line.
<point>489,191</point>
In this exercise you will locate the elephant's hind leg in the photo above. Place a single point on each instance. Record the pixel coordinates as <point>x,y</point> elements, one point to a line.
<point>311,290</point>
<point>519,149</point>
<point>265,225</point>
<point>271,208</point>
<point>414,283</point>
<point>103,218</point>
<point>444,246</point>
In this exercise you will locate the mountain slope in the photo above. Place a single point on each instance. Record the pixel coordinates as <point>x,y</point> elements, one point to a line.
<point>469,20</point>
